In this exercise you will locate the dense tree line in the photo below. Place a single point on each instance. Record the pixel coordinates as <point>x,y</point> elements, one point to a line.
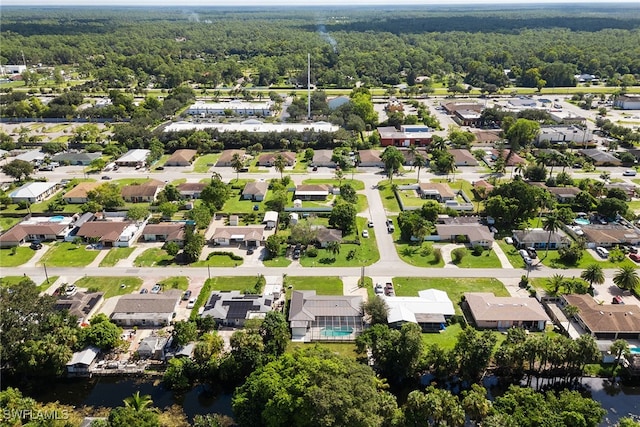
<point>135,49</point>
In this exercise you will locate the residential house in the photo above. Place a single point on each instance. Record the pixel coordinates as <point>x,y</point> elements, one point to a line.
<point>627,102</point>
<point>76,159</point>
<point>487,136</point>
<point>191,190</point>
<point>226,158</point>
<point>406,136</point>
<point>231,308</point>
<point>324,236</point>
<point>482,188</point>
<point>255,191</point>
<point>322,159</point>
<point>409,156</point>
<point>435,191</point>
<point>82,361</point>
<point>142,193</point>
<point>492,312</point>
<point>165,232</point>
<point>605,321</point>
<point>82,305</point>
<point>370,159</point>
<point>630,189</point>
<point>79,194</point>
<point>181,158</point>
<point>452,107</point>
<point>268,159</point>
<point>463,157</point>
<point>429,310</point>
<point>538,238</point>
<point>611,234</point>
<point>270,219</point>
<point>236,107</point>
<point>32,230</point>
<point>34,192</point>
<point>564,194</point>
<point>134,158</point>
<point>244,236</point>
<point>312,192</point>
<point>512,159</point>
<point>600,158</point>
<point>146,309</point>
<point>152,347</point>
<point>32,156</point>
<point>325,317</point>
<point>563,134</point>
<point>109,233</point>
<point>474,233</point>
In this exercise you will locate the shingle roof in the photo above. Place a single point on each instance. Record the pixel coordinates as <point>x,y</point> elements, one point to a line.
<point>107,230</point>
<point>443,189</point>
<point>20,231</point>
<point>148,303</point>
<point>81,190</point>
<point>76,157</point>
<point>181,156</point>
<point>188,187</point>
<point>485,306</point>
<point>324,234</point>
<point>255,188</point>
<point>269,158</point>
<point>249,233</point>
<point>147,189</point>
<point>172,230</point>
<point>601,318</point>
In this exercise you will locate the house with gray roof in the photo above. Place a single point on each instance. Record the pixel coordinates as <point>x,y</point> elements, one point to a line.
<point>600,158</point>
<point>146,310</point>
<point>247,236</point>
<point>255,191</point>
<point>76,159</point>
<point>191,190</point>
<point>152,347</point>
<point>322,158</point>
<point>325,235</point>
<point>538,238</point>
<point>82,361</point>
<point>32,156</point>
<point>83,305</point>
<point>429,310</point>
<point>34,192</point>
<point>231,308</point>
<point>325,317</point>
<point>475,233</point>
<point>492,312</point>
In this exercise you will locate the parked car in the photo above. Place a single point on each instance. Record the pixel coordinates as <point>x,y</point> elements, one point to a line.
<point>632,249</point>
<point>71,290</point>
<point>528,260</point>
<point>296,253</point>
<point>533,254</point>
<point>250,251</point>
<point>370,224</point>
<point>35,245</point>
<point>635,257</point>
<point>315,168</point>
<point>617,300</point>
<point>602,252</point>
<point>160,168</point>
<point>186,296</point>
<point>365,233</point>
<point>378,288</point>
<point>523,253</point>
<point>156,289</point>
<point>105,177</point>
<point>191,303</point>
<point>508,240</point>
<point>389,222</point>
<point>144,291</point>
<point>629,172</point>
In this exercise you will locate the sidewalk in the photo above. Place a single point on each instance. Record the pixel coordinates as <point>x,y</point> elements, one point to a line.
<point>96,262</point>
<point>501,256</point>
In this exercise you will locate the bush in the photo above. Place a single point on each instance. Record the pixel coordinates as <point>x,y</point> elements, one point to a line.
<point>351,254</point>
<point>437,255</point>
<point>425,251</point>
<point>477,250</point>
<point>229,254</point>
<point>457,255</point>
<point>312,252</point>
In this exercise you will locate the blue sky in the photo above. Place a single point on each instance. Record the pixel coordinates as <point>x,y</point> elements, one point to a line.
<point>183,3</point>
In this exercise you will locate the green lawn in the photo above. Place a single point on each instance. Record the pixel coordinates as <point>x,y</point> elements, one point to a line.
<point>22,255</point>
<point>410,198</point>
<point>68,254</point>
<point>280,261</point>
<point>322,285</point>
<point>12,280</point>
<point>8,222</point>
<point>444,339</point>
<point>204,163</point>
<point>153,257</point>
<point>417,255</point>
<point>347,349</point>
<point>239,283</point>
<point>387,195</point>
<point>218,259</point>
<point>161,161</point>
<point>115,255</point>
<point>111,286</point>
<point>356,184</point>
<point>488,259</point>
<point>512,254</point>
<point>455,288</point>
<point>634,205</point>
<point>553,260</point>
<point>176,282</point>
<point>366,253</point>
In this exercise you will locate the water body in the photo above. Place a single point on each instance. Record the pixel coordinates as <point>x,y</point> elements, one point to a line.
<point>619,400</point>
<point>109,392</point>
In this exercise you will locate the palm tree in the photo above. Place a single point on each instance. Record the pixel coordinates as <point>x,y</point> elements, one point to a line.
<point>520,167</point>
<point>605,176</point>
<point>556,281</point>
<point>413,151</point>
<point>279,163</point>
<point>137,402</point>
<point>551,224</point>
<point>627,277</point>
<point>334,248</point>
<point>237,163</point>
<point>619,347</point>
<point>593,274</point>
<point>571,311</point>
<point>392,159</point>
<point>419,161</point>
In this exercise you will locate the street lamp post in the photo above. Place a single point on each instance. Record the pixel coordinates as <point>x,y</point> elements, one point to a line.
<point>46,275</point>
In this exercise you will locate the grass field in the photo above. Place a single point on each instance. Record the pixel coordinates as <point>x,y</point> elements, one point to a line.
<point>455,288</point>
<point>387,195</point>
<point>153,257</point>
<point>322,285</point>
<point>347,349</point>
<point>68,255</point>
<point>410,198</point>
<point>553,260</point>
<point>239,283</point>
<point>115,255</point>
<point>8,222</point>
<point>488,259</point>
<point>356,184</point>
<point>12,280</point>
<point>415,254</point>
<point>218,260</point>
<point>22,255</point>
<point>176,282</point>
<point>111,286</point>
<point>204,163</point>
<point>512,254</point>
<point>280,261</point>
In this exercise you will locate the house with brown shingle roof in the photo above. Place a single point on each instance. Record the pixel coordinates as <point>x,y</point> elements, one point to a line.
<point>164,232</point>
<point>142,193</point>
<point>370,159</point>
<point>564,194</point>
<point>181,158</point>
<point>83,305</point>
<point>78,194</point>
<point>436,191</point>
<point>268,159</point>
<point>492,312</point>
<point>482,188</point>
<point>108,233</point>
<point>605,321</point>
<point>463,157</point>
<point>512,159</point>
<point>487,136</point>
<point>247,236</point>
<point>312,192</point>
<point>42,231</point>
<point>255,191</point>
<point>227,156</point>
<point>191,190</point>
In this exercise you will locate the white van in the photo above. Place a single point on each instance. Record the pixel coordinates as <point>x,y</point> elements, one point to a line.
<point>602,252</point>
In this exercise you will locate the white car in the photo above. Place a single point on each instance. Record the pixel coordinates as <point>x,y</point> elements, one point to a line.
<point>629,172</point>
<point>379,288</point>
<point>191,303</point>
<point>365,233</point>
<point>528,260</point>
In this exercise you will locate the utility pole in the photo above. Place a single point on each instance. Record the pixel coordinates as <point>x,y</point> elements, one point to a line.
<point>46,275</point>
<point>309,86</point>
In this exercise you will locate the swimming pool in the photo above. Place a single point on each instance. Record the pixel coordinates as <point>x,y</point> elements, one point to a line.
<point>336,331</point>
<point>582,221</point>
<point>57,218</point>
<point>634,350</point>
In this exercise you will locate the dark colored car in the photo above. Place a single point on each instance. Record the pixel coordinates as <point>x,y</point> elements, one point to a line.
<point>35,245</point>
<point>250,251</point>
<point>315,168</point>
<point>186,296</point>
<point>106,177</point>
<point>635,257</point>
